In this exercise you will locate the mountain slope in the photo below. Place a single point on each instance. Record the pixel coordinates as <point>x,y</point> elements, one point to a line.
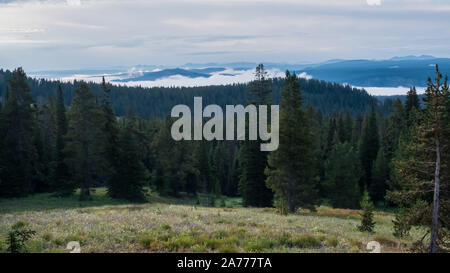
<point>158,101</point>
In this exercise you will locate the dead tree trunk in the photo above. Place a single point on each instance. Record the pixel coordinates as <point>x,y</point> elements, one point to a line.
<point>435,217</point>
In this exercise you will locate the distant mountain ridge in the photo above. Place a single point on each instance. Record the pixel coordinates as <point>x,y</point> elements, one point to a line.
<point>398,71</point>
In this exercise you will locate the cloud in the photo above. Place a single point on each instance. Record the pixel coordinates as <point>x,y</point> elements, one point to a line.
<point>74,2</point>
<point>374,2</point>
<point>62,34</point>
<point>390,91</point>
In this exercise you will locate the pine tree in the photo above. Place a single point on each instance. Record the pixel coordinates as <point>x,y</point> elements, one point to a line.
<point>62,184</point>
<point>131,175</point>
<point>423,182</point>
<point>341,185</point>
<point>412,102</point>
<point>395,127</point>
<point>369,148</point>
<point>202,160</point>
<point>19,156</point>
<point>44,140</point>
<point>380,177</point>
<point>291,173</point>
<point>252,186</point>
<point>367,223</point>
<point>112,148</point>
<point>84,148</point>
<point>401,225</point>
<point>175,164</point>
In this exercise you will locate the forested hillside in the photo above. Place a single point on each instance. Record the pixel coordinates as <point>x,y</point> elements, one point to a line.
<point>335,153</point>
<point>158,101</point>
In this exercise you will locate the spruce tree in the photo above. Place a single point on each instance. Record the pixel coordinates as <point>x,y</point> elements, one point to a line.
<point>412,102</point>
<point>369,148</point>
<point>252,186</point>
<point>395,127</point>
<point>423,182</point>
<point>202,154</point>
<point>112,148</point>
<point>84,149</point>
<point>131,175</point>
<point>176,163</point>
<point>19,156</point>
<point>367,223</point>
<point>341,185</point>
<point>380,177</point>
<point>62,184</point>
<point>290,172</point>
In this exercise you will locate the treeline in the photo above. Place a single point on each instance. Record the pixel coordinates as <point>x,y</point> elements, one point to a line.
<point>158,101</point>
<point>398,160</point>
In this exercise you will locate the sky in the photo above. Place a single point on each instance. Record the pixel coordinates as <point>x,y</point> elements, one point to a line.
<point>72,34</point>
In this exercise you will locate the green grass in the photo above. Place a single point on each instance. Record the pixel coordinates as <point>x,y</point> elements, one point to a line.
<point>182,225</point>
<point>46,202</point>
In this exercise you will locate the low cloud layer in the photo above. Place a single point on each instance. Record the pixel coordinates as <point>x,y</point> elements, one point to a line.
<point>227,76</point>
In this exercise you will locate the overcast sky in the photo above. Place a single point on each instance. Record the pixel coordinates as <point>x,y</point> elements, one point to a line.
<point>65,34</point>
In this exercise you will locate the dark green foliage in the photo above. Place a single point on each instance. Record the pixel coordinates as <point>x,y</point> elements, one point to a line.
<point>401,225</point>
<point>130,174</point>
<point>225,164</point>
<point>178,162</point>
<point>367,223</point>
<point>18,159</point>
<point>85,140</point>
<point>369,148</point>
<point>395,127</point>
<point>411,103</point>
<point>380,176</point>
<point>112,148</point>
<point>17,237</point>
<point>44,141</point>
<point>62,184</point>
<point>201,154</point>
<point>342,174</point>
<point>158,101</point>
<point>252,186</point>
<point>421,167</point>
<point>291,172</point>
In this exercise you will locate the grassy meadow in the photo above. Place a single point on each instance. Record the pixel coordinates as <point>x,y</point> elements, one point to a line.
<point>181,225</point>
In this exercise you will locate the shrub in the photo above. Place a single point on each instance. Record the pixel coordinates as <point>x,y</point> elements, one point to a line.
<point>179,243</point>
<point>145,241</point>
<point>307,241</point>
<point>332,241</point>
<point>228,249</point>
<point>47,236</point>
<point>354,243</point>
<point>385,241</point>
<point>260,244</point>
<point>367,223</point>
<point>285,240</point>
<point>17,237</point>
<point>401,225</point>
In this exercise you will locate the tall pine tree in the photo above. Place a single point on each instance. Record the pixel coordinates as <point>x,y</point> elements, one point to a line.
<point>85,150</point>
<point>252,186</point>
<point>291,172</point>
<point>62,184</point>
<point>422,170</point>
<point>112,148</point>
<point>18,158</point>
<point>369,148</point>
<point>341,185</point>
<point>130,175</point>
